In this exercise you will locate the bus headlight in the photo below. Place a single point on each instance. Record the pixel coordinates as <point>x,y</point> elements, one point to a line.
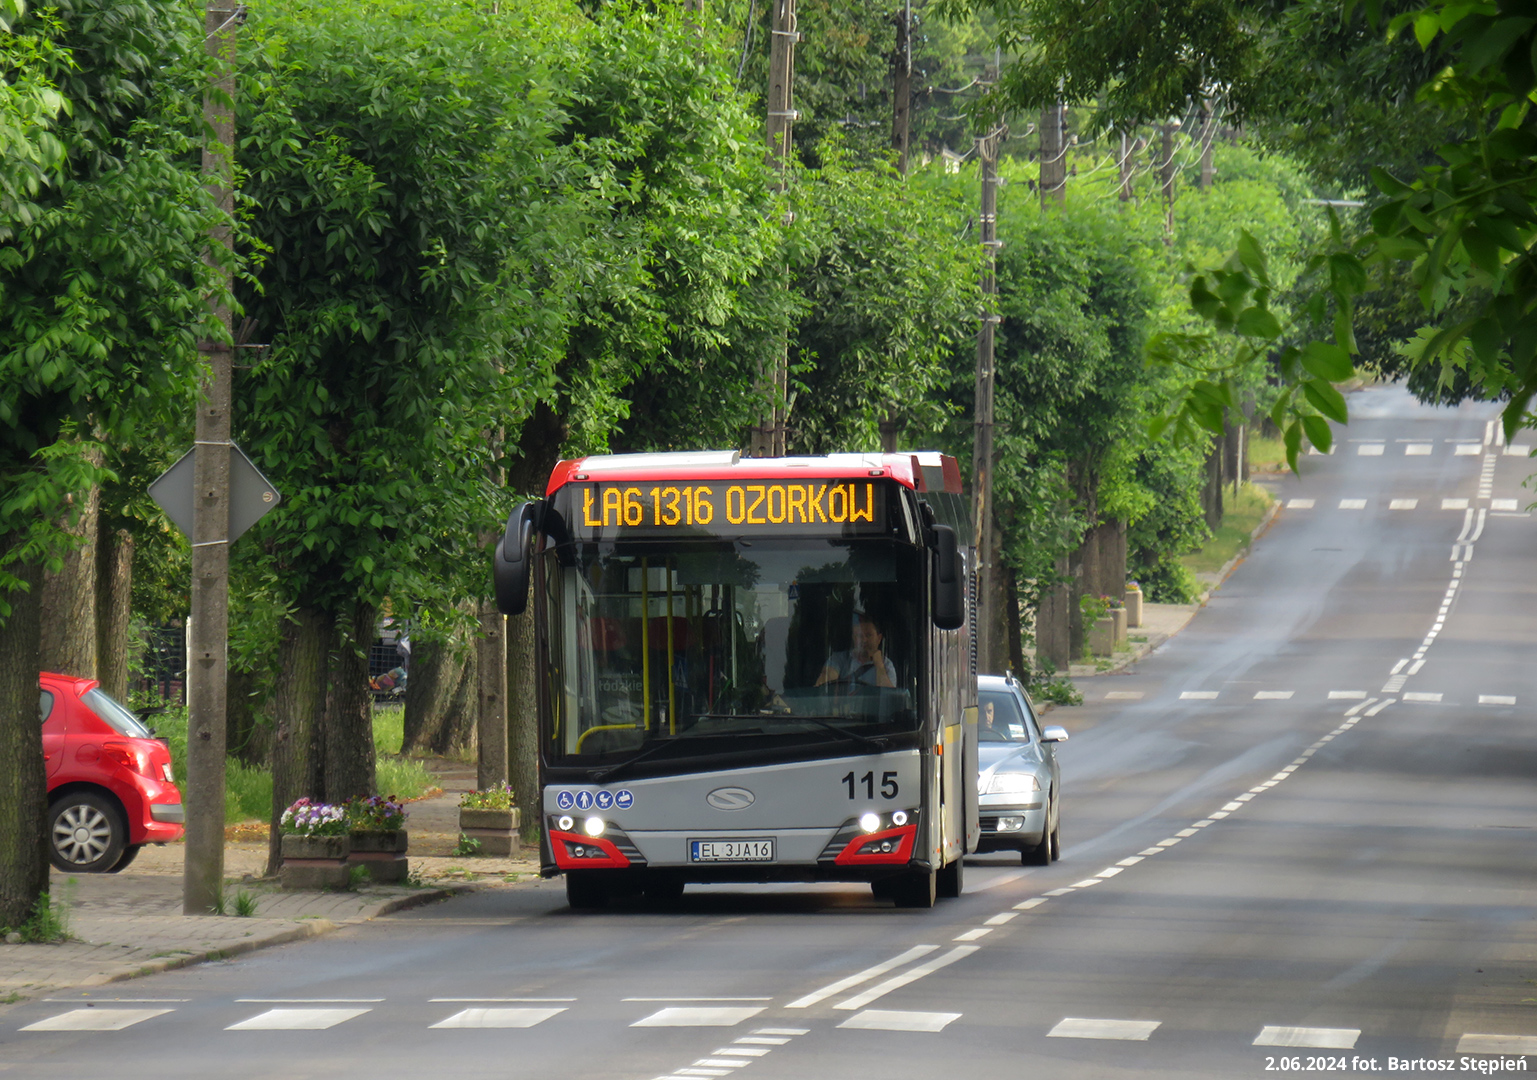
<point>869,822</point>
<point>593,826</point>
<point>564,823</point>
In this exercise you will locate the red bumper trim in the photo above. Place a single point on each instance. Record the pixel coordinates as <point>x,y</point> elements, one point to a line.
<point>850,855</point>
<point>612,858</point>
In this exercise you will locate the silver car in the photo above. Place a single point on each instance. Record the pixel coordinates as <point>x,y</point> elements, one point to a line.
<point>1019,783</point>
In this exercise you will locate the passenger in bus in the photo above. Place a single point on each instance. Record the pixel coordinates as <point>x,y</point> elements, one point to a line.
<point>863,662</point>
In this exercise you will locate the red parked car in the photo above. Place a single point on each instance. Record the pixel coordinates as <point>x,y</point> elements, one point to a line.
<point>110,790</point>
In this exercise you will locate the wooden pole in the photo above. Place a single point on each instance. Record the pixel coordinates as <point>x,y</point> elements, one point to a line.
<point>982,439</point>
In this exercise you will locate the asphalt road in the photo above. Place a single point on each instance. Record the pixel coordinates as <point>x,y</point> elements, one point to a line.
<point>1298,838</point>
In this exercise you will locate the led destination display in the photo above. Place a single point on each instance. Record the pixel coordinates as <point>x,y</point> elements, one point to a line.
<point>809,507</point>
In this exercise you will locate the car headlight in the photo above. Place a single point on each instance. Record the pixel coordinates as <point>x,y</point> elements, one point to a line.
<point>1012,784</point>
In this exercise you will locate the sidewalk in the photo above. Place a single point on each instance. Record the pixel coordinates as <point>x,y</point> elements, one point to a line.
<point>129,924</point>
<point>1160,622</point>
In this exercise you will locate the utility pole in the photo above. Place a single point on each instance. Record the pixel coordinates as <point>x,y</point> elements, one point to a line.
<point>901,134</point>
<point>768,435</point>
<point>982,438</point>
<point>1053,156</point>
<point>1208,173</point>
<point>1129,146</point>
<point>1167,170</point>
<point>902,85</point>
<point>203,873</point>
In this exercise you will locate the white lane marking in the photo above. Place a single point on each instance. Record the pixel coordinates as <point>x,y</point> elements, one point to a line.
<point>1394,685</point>
<point>662,999</point>
<point>781,1031</point>
<point>1150,851</point>
<point>1497,1044</point>
<point>1352,504</point>
<point>863,976</point>
<point>1274,695</point>
<point>1230,807</point>
<point>1245,797</point>
<point>701,1017</point>
<point>1518,450</point>
<point>972,935</point>
<point>739,1051</point>
<point>1185,833</point>
<point>1001,918</point>
<point>1419,449</point>
<point>1501,504</point>
<point>117,1001</point>
<point>1087,883</point>
<point>1124,695</point>
<point>1323,1038</point>
<point>96,1019</point>
<point>1454,504</point>
<point>911,975</point>
<point>1130,860</point>
<point>1432,698</point>
<point>759,1040</point>
<point>1398,666</point>
<point>1467,450</point>
<point>1001,879</point>
<point>1402,504</point>
<point>1199,695</point>
<point>1488,431</point>
<point>721,1063</point>
<point>1478,529</point>
<point>1168,843</point>
<point>497,1018</point>
<point>308,1001</point>
<point>1129,1030</point>
<point>1369,450</point>
<point>1357,708</point>
<point>1059,892</point>
<point>1202,823</point>
<point>1346,695</point>
<point>474,1000</point>
<point>1467,523</point>
<point>1377,708</point>
<point>1299,504</point>
<point>1414,668</point>
<point>1218,814</point>
<point>297,1019</point>
<point>702,1072</point>
<point>1495,699</point>
<point>889,1020</point>
<point>1033,902</point>
<point>1109,872</point>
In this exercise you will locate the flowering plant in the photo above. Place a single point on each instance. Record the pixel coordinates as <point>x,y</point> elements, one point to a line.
<point>496,797</point>
<point>306,818</point>
<point>375,813</point>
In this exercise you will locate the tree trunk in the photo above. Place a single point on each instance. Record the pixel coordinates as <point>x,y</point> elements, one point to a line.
<point>68,617</point>
<point>1016,639</point>
<point>1053,625</point>
<point>995,611</point>
<point>23,783</point>
<point>114,596</point>
<point>1076,638</point>
<point>246,736</point>
<point>523,718</point>
<point>299,699</point>
<point>491,697</point>
<point>457,729</point>
<point>1211,493</point>
<point>349,721</point>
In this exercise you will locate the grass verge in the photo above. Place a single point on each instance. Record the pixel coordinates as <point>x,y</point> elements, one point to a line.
<point>1240,518</point>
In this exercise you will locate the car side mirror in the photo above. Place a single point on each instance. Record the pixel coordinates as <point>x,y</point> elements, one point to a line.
<point>1054,734</point>
<point>512,564</point>
<point>949,587</point>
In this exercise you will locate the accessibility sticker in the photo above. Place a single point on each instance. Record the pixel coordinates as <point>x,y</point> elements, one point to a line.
<point>624,799</point>
<point>584,800</point>
<point>605,800</point>
<point>564,800</point>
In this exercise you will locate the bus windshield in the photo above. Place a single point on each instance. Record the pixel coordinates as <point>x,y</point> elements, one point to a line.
<point>667,652</point>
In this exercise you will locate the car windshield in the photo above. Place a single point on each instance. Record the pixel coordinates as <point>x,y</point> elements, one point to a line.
<point>1000,719</point>
<point>674,651</point>
<point>114,715</point>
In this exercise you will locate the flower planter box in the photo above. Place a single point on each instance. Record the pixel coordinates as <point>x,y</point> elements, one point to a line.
<point>315,862</point>
<point>1120,617</point>
<point>1133,606</point>
<point>1102,636</point>
<point>497,830</point>
<point>383,854</point>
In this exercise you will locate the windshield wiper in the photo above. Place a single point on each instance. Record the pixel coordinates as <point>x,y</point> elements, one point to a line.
<point>819,721</point>
<point>656,747</point>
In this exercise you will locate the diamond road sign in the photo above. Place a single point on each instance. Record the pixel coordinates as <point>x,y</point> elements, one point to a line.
<point>251,494</point>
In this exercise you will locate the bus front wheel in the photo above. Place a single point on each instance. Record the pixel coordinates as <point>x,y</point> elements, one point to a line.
<point>585,890</point>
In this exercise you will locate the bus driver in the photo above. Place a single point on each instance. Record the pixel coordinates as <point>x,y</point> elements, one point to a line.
<point>863,662</point>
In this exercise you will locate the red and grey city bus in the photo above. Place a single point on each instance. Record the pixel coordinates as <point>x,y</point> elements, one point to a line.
<point>750,670</point>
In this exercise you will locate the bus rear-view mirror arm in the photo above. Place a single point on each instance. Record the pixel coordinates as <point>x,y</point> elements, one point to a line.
<point>513,561</point>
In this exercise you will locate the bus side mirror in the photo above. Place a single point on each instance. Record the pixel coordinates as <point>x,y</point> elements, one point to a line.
<point>512,563</point>
<point>949,587</point>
